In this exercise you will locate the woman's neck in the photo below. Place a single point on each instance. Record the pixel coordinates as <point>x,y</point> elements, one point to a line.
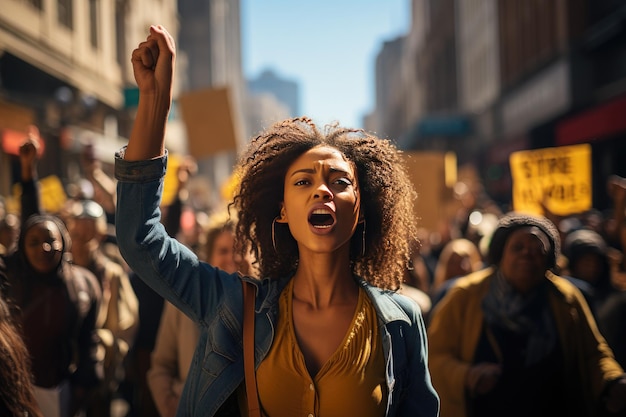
<point>324,280</point>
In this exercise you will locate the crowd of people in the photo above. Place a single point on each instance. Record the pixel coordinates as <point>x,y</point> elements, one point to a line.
<point>108,308</point>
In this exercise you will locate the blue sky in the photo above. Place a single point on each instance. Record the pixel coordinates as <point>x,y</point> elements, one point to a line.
<point>328,46</point>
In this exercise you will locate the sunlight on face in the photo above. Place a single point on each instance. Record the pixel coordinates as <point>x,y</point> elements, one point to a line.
<point>321,201</point>
<point>223,253</point>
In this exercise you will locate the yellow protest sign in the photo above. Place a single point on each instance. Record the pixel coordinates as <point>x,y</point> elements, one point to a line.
<point>170,182</point>
<point>558,179</point>
<point>51,194</point>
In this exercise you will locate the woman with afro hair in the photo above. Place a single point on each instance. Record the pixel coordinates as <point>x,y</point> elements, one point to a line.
<point>328,216</point>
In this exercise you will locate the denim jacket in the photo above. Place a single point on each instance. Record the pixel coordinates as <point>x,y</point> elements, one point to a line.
<point>213,298</point>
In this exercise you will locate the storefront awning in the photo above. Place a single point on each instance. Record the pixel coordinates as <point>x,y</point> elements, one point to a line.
<point>602,121</point>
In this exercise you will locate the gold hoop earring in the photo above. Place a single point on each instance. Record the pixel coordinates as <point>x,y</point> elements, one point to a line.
<point>363,240</point>
<point>274,234</point>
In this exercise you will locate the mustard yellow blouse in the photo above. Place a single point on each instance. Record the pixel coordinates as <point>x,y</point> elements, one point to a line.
<point>351,383</point>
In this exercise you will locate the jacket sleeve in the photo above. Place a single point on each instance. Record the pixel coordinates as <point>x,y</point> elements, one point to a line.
<point>166,265</point>
<point>594,356</point>
<point>29,200</point>
<point>613,319</point>
<point>448,369</point>
<point>419,398</point>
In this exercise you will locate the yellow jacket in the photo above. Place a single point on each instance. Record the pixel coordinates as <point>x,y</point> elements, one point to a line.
<point>455,329</point>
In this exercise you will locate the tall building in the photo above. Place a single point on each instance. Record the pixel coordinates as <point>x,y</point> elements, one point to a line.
<point>210,40</point>
<point>495,77</point>
<point>389,89</point>
<point>286,91</point>
<point>433,118</point>
<point>264,109</point>
<point>210,46</point>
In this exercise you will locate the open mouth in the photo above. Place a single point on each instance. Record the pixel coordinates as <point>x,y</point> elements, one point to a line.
<point>321,219</point>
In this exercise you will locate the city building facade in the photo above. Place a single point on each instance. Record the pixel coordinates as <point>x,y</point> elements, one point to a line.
<point>64,68</point>
<point>492,77</point>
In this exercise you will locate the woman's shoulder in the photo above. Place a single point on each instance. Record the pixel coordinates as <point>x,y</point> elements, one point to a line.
<point>391,305</point>
<point>409,305</point>
<point>267,289</point>
<point>565,288</point>
<point>82,284</point>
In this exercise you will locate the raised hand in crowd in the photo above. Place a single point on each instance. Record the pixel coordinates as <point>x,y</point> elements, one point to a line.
<point>28,154</point>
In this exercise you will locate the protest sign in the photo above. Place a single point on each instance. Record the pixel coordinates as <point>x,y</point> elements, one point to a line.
<point>557,179</point>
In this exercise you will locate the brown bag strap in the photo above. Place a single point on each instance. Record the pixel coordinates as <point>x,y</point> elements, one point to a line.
<point>254,409</point>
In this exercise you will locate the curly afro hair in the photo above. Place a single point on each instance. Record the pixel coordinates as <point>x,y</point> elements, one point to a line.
<point>387,198</point>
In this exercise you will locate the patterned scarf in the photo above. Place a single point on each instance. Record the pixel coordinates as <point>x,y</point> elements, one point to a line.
<point>528,314</point>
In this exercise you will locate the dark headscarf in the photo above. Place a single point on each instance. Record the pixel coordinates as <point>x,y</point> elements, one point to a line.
<point>519,313</point>
<point>583,241</point>
<point>515,221</point>
<point>36,219</point>
<point>21,272</point>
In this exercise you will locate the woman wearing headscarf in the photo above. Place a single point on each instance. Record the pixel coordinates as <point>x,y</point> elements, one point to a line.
<point>515,339</point>
<point>57,303</point>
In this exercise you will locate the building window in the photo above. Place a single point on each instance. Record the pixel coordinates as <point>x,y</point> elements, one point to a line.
<point>64,13</point>
<point>93,22</point>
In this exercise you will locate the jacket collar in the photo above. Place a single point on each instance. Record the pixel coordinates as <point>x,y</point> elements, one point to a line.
<point>388,304</point>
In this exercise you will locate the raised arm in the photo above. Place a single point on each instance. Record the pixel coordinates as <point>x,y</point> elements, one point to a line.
<point>164,264</point>
<point>153,66</point>
<point>30,201</point>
